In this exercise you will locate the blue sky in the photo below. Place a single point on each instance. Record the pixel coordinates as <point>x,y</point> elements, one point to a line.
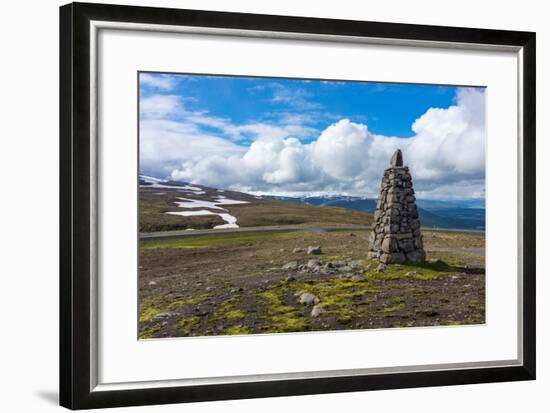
<point>390,109</point>
<point>272,135</point>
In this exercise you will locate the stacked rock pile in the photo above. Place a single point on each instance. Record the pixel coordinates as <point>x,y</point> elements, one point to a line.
<point>396,236</point>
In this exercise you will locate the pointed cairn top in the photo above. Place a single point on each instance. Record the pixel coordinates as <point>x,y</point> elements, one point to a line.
<point>396,159</point>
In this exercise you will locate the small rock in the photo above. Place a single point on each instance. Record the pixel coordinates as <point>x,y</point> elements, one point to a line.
<point>200,312</point>
<point>308,299</point>
<point>297,250</point>
<point>152,283</point>
<point>161,316</point>
<point>410,273</point>
<point>316,311</point>
<point>236,290</point>
<point>313,264</point>
<point>351,234</point>
<point>356,278</point>
<point>282,250</point>
<point>209,288</point>
<point>429,312</point>
<point>338,264</point>
<point>344,277</point>
<point>289,279</point>
<point>314,250</point>
<point>345,268</point>
<point>381,267</point>
<point>356,263</point>
<point>293,265</point>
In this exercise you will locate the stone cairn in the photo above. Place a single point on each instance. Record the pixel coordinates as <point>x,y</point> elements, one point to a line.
<point>396,234</point>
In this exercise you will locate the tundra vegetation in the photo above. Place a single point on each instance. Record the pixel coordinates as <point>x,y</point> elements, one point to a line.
<point>311,274</point>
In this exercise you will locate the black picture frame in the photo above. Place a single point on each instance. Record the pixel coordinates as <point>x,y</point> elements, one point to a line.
<point>75,219</point>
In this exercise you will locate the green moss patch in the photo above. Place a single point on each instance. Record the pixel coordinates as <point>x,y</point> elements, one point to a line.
<point>236,330</point>
<point>148,308</point>
<point>189,325</point>
<point>227,311</point>
<point>149,332</point>
<point>280,317</point>
<point>217,239</point>
<point>423,271</point>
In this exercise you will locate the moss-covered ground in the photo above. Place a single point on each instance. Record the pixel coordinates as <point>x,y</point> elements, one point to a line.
<point>234,284</point>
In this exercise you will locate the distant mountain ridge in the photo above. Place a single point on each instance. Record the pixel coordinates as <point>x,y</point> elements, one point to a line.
<point>454,214</point>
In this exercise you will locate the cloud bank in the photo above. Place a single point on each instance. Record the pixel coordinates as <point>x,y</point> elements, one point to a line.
<point>446,154</point>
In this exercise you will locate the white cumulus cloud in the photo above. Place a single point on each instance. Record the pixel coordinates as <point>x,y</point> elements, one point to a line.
<point>158,81</point>
<point>446,154</point>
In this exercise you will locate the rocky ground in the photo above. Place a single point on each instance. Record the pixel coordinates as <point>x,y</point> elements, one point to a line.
<point>296,281</point>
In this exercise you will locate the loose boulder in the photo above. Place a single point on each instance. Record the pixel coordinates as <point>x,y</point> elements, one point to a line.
<point>314,250</point>
<point>308,299</point>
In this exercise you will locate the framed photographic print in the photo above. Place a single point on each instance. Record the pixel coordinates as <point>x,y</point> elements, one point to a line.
<point>257,206</point>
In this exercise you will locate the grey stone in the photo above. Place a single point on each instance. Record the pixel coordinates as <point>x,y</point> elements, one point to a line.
<point>162,316</point>
<point>415,224</point>
<point>297,250</point>
<point>381,267</point>
<point>293,265</point>
<point>316,311</point>
<point>315,250</point>
<point>388,245</point>
<point>373,254</point>
<point>337,264</point>
<point>356,263</point>
<point>312,264</point>
<point>397,159</point>
<point>308,299</point>
<point>406,245</point>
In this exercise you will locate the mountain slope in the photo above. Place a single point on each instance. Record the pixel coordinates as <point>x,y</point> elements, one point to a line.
<point>168,205</point>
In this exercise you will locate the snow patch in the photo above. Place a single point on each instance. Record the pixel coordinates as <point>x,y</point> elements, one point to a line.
<point>197,203</point>
<point>221,200</point>
<point>192,188</point>
<point>231,221</point>
<point>192,213</point>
